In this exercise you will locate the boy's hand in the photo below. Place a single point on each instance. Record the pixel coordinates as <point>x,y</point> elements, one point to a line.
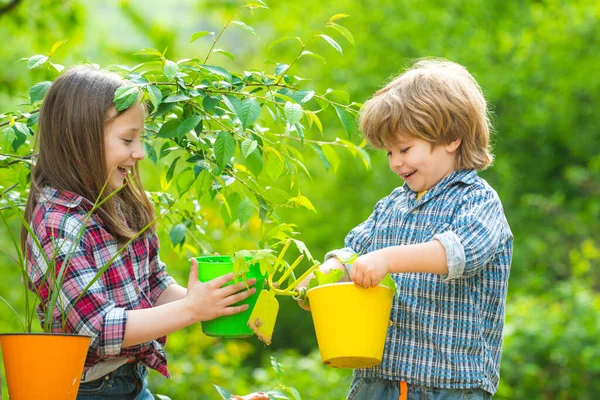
<point>369,269</point>
<point>327,266</point>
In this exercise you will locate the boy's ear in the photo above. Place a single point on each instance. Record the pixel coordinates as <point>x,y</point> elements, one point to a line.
<point>452,146</point>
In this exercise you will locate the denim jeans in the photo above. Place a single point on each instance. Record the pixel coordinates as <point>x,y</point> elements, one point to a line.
<point>128,382</point>
<point>383,389</point>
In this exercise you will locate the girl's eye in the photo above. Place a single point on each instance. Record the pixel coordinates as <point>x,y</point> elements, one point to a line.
<point>128,141</point>
<point>389,153</point>
<point>404,150</point>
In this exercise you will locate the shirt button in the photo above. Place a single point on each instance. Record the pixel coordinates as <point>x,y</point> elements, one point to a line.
<point>137,290</point>
<point>106,377</point>
<point>391,323</point>
<point>413,212</point>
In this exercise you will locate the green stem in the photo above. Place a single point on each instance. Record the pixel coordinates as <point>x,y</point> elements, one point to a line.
<point>296,59</point>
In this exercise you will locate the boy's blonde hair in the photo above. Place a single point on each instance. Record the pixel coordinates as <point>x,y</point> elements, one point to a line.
<point>435,100</point>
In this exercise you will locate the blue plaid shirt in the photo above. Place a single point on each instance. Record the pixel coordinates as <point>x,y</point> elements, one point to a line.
<point>444,331</point>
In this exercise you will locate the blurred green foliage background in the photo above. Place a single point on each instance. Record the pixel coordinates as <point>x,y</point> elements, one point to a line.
<point>537,61</point>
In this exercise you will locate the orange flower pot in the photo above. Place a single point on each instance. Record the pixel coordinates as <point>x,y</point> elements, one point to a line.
<point>43,366</point>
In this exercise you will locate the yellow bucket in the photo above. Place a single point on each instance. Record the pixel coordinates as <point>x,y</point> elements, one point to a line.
<point>351,323</point>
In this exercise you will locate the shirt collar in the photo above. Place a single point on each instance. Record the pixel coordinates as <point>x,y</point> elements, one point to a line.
<point>63,198</point>
<point>466,176</point>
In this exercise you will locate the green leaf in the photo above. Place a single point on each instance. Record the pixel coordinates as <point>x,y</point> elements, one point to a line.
<point>125,96</point>
<point>322,156</point>
<point>170,69</point>
<point>217,71</point>
<point>277,196</point>
<point>174,98</point>
<point>321,278</point>
<point>209,103</point>
<point>255,162</point>
<point>57,67</point>
<point>7,136</point>
<point>148,51</point>
<point>224,393</point>
<point>203,182</point>
<point>39,90</point>
<point>333,43</point>
<point>280,69</point>
<point>344,32</point>
<point>171,170</point>
<point>248,111</point>
<point>389,282</point>
<point>225,53</point>
<point>277,367</point>
<point>307,53</point>
<point>245,211</point>
<point>293,112</point>
<point>302,96</point>
<point>252,4</point>
<point>22,128</point>
<point>283,39</point>
<point>348,122</point>
<point>275,166</point>
<point>245,27</point>
<point>302,201</point>
<point>248,146</point>
<point>188,124</point>
<point>169,128</point>
<point>313,118</point>
<point>56,45</point>
<point>336,17</point>
<point>198,35</point>
<point>36,61</point>
<point>177,234</point>
<point>224,148</point>
<point>332,157</point>
<point>155,95</point>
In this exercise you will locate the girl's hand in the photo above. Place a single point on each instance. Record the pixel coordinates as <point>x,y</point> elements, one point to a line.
<point>210,300</point>
<point>369,269</point>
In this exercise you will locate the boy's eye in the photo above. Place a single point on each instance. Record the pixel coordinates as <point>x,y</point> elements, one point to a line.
<point>389,153</point>
<point>404,150</point>
<point>128,141</point>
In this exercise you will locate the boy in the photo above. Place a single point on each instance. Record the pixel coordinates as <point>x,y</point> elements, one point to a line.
<point>443,236</point>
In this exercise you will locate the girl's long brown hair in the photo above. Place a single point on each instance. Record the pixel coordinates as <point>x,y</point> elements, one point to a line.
<point>71,154</point>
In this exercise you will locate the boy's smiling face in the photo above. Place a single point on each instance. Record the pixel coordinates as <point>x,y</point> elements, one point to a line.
<point>419,164</point>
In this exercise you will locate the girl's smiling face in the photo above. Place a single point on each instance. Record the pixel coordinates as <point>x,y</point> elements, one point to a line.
<point>122,143</point>
<point>420,164</point>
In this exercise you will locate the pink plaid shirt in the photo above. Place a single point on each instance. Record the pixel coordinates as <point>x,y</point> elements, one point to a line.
<point>134,281</point>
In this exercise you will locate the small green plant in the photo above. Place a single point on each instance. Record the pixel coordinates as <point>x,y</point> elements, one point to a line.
<point>280,391</point>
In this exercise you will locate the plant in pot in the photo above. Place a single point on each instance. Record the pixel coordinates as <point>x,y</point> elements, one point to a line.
<point>29,353</point>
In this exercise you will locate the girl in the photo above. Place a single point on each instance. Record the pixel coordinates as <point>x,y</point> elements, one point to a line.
<point>84,143</point>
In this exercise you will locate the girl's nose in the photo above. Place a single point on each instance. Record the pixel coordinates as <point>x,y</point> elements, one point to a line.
<point>138,152</point>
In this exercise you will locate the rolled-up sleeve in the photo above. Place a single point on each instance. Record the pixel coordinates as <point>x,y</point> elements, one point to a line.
<point>472,239</point>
